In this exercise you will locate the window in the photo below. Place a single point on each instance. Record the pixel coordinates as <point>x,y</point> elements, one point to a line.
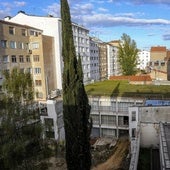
<point>39,95</point>
<point>23,32</point>
<point>13,59</point>
<point>21,58</point>
<point>5,59</point>
<point>26,46</point>
<point>33,33</point>
<point>11,30</point>
<point>49,123</point>
<point>95,119</point>
<point>133,132</point>
<point>12,44</point>
<point>38,82</point>
<point>123,121</point>
<point>163,63</point>
<point>20,45</point>
<point>133,115</point>
<point>123,106</point>
<point>35,45</point>
<point>108,132</point>
<point>4,43</point>
<point>28,70</point>
<point>43,111</point>
<point>28,59</point>
<point>108,120</point>
<point>36,58</point>
<point>37,70</point>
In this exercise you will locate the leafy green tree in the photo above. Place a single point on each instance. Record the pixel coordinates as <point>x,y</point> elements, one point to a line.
<point>20,128</point>
<point>76,109</point>
<point>127,55</point>
<point>18,85</point>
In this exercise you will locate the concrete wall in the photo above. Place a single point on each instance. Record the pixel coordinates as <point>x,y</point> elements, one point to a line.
<point>54,112</point>
<point>155,114</point>
<point>49,63</point>
<point>149,135</point>
<point>149,124</point>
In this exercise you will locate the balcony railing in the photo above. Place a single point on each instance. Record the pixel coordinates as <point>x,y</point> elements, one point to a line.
<point>103,108</point>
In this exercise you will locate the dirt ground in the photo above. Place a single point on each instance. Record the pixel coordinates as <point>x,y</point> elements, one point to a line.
<point>117,160</point>
<point>57,164</point>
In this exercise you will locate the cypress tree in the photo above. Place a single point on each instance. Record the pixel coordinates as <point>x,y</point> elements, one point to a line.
<point>76,109</point>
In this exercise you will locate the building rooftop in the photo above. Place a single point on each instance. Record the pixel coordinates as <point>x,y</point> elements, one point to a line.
<point>125,89</point>
<point>158,49</point>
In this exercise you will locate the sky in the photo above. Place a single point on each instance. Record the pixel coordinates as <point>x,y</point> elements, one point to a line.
<point>145,21</point>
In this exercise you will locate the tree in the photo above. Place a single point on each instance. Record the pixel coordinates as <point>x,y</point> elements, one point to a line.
<point>18,85</point>
<point>76,109</point>
<point>127,55</point>
<point>20,127</point>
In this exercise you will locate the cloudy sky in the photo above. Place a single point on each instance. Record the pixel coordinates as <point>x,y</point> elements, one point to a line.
<point>145,21</point>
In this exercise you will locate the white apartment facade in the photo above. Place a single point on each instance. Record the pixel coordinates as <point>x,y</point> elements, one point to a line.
<point>51,26</point>
<point>94,59</point>
<point>51,115</point>
<point>143,59</point>
<point>110,115</point>
<point>112,61</point>
<point>81,42</point>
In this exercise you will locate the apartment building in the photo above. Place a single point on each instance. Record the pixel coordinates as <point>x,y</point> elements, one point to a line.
<point>82,46</point>
<point>94,59</point>
<point>22,47</point>
<point>149,127</point>
<point>103,61</point>
<point>143,59</point>
<point>115,43</point>
<point>51,26</point>
<point>114,57</point>
<point>112,60</point>
<point>110,115</point>
<point>108,60</point>
<point>168,70</point>
<point>158,62</point>
<point>14,47</point>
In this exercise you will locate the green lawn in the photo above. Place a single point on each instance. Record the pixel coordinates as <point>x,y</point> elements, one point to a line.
<point>123,88</point>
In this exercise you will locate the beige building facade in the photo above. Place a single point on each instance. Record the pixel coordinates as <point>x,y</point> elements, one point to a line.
<point>22,47</point>
<point>103,61</point>
<point>158,62</point>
